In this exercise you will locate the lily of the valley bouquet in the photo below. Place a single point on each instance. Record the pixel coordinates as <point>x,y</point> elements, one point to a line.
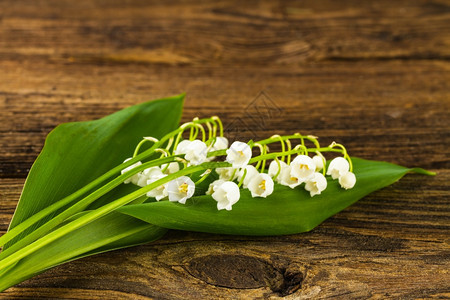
<point>127,178</point>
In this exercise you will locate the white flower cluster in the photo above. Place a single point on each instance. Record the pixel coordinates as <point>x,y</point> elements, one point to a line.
<point>304,169</point>
<point>153,174</point>
<point>181,188</point>
<point>226,189</point>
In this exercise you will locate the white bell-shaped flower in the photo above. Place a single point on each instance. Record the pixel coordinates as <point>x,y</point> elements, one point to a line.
<point>213,185</point>
<point>226,194</point>
<point>261,185</point>
<point>147,174</point>
<point>273,169</point>
<point>347,181</point>
<point>142,180</point>
<point>239,154</point>
<point>226,173</point>
<point>181,147</point>
<point>152,171</point>
<point>135,178</point>
<point>338,167</point>
<point>285,178</point>
<point>173,168</point>
<point>159,192</point>
<point>316,184</point>
<point>180,189</point>
<point>251,172</point>
<point>221,143</point>
<point>302,168</point>
<point>318,161</point>
<point>196,152</point>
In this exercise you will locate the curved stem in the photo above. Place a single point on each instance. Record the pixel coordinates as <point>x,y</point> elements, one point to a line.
<point>138,147</point>
<point>217,119</point>
<point>261,150</point>
<point>199,126</point>
<point>204,176</point>
<point>288,143</point>
<point>242,178</point>
<point>279,168</point>
<point>305,150</point>
<point>89,217</point>
<point>283,148</point>
<point>344,152</point>
<point>15,231</point>
<point>324,162</point>
<point>210,134</point>
<point>80,206</point>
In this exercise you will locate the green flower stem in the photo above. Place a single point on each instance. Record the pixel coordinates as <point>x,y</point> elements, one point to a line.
<point>279,167</point>
<point>36,245</point>
<point>138,147</point>
<point>301,137</point>
<point>208,172</point>
<point>179,132</point>
<point>274,139</point>
<point>263,167</point>
<point>305,150</point>
<point>324,162</point>
<point>274,155</point>
<point>13,232</point>
<point>313,139</point>
<point>95,214</point>
<point>122,201</point>
<point>217,153</point>
<point>346,156</point>
<point>242,179</point>
<point>202,130</point>
<point>35,218</point>
<point>92,197</point>
<point>169,143</point>
<point>210,130</point>
<point>217,120</point>
<point>289,146</point>
<point>193,133</point>
<point>283,147</point>
<point>234,173</point>
<point>79,206</point>
<point>8,279</point>
<point>261,150</point>
<point>210,142</point>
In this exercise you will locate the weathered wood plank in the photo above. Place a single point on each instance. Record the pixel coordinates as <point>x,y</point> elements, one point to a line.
<point>372,75</point>
<point>225,32</point>
<point>378,114</point>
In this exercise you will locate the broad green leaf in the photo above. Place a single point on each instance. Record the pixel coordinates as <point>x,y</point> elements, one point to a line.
<point>76,153</point>
<point>286,211</point>
<point>110,232</point>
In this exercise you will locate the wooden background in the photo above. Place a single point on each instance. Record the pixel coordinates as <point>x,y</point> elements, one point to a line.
<point>373,75</point>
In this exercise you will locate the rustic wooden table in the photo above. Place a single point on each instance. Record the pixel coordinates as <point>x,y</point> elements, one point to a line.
<point>373,75</point>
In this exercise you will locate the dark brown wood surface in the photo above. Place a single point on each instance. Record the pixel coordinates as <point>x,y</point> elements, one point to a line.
<point>373,75</point>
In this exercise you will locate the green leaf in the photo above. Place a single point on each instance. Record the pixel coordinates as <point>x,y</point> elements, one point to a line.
<point>110,232</point>
<point>76,153</point>
<point>286,211</point>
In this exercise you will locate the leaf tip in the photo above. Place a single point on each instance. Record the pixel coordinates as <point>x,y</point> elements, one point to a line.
<point>423,171</point>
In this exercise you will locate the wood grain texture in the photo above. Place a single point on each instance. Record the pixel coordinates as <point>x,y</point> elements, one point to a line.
<point>372,75</point>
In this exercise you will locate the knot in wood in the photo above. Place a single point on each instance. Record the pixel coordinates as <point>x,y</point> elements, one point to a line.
<point>243,272</point>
